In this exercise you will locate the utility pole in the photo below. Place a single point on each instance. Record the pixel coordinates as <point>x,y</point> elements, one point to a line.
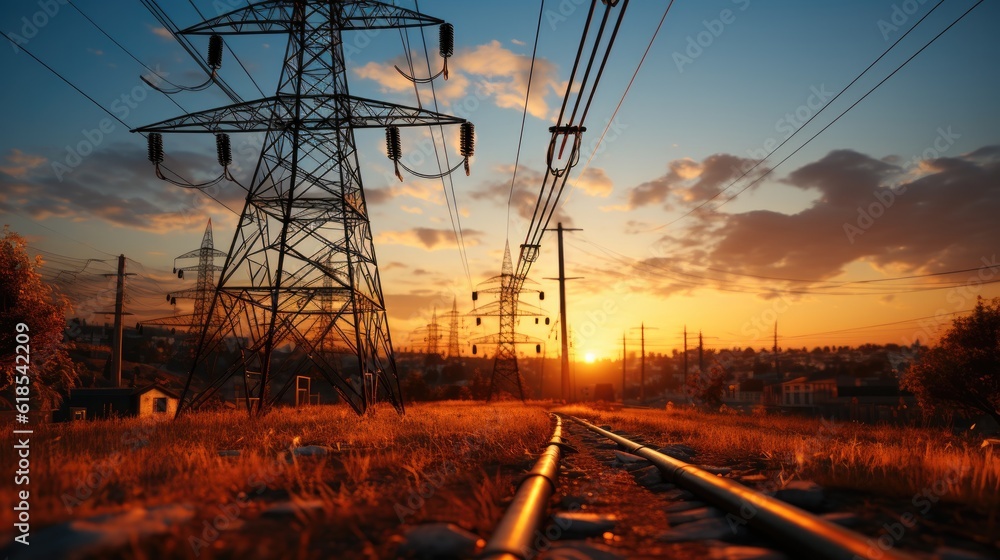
<point>564,361</point>
<point>119,312</point>
<point>116,344</point>
<point>685,358</point>
<point>623,369</point>
<point>777,363</point>
<point>701,355</point>
<point>642,364</point>
<point>642,361</point>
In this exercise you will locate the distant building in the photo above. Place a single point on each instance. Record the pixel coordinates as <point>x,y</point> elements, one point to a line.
<point>151,400</point>
<point>803,392</point>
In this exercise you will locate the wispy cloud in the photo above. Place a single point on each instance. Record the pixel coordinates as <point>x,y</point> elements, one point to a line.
<point>430,239</point>
<point>162,32</point>
<point>17,164</point>
<point>114,184</point>
<point>488,71</point>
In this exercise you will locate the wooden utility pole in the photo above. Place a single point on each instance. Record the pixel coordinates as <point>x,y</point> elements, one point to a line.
<point>623,369</point>
<point>119,313</point>
<point>564,360</point>
<point>685,359</point>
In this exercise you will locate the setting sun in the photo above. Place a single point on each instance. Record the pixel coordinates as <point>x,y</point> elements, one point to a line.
<point>589,357</point>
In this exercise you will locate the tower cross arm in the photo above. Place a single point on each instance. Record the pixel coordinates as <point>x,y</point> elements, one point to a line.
<point>278,16</point>
<point>321,113</point>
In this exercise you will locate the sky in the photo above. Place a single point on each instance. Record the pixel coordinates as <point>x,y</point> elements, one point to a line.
<point>853,237</point>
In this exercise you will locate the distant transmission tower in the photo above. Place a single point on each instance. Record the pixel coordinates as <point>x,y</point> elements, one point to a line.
<point>300,290</point>
<point>203,287</point>
<point>507,308</point>
<point>429,335</point>
<point>453,348</point>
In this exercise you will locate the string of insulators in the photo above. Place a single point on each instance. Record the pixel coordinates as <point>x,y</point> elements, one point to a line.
<point>215,52</point>
<point>394,147</point>
<point>154,143</point>
<point>467,143</point>
<point>223,149</point>
<point>446,40</point>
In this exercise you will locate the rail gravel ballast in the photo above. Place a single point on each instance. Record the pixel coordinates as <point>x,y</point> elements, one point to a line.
<point>786,524</point>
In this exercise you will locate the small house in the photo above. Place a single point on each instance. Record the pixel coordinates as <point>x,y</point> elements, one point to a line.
<point>151,400</point>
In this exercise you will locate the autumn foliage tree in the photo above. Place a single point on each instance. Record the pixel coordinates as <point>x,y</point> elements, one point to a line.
<point>963,372</point>
<point>25,298</point>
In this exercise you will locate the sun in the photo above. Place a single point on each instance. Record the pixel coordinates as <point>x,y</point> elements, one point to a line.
<point>589,357</point>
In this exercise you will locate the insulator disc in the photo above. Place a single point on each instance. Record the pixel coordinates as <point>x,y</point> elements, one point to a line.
<point>393,145</point>
<point>154,143</point>
<point>215,52</point>
<point>223,149</point>
<point>446,38</point>
<point>467,145</point>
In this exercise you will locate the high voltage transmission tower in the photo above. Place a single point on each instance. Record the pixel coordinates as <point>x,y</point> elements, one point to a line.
<point>507,308</point>
<point>429,336</point>
<point>453,317</point>
<point>567,132</point>
<point>300,291</point>
<point>203,287</point>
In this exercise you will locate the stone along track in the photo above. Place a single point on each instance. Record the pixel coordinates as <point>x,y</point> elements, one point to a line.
<point>619,498</point>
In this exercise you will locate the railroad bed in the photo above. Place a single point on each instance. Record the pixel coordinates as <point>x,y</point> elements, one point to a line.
<point>596,493</point>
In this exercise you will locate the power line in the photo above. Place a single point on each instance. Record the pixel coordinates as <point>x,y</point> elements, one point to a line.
<point>831,123</point>
<point>627,88</point>
<point>863,97</point>
<point>806,123</point>
<point>524,113</point>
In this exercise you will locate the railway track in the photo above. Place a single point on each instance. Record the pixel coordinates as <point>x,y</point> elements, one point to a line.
<point>595,493</point>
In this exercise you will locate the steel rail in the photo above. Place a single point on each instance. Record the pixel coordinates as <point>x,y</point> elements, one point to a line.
<point>512,538</point>
<point>786,524</point>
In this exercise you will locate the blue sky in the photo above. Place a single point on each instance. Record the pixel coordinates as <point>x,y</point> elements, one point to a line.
<point>751,79</point>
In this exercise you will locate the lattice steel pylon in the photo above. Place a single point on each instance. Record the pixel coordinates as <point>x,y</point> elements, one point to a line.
<point>303,248</point>
<point>203,287</point>
<point>507,308</point>
<point>453,348</point>
<point>429,335</point>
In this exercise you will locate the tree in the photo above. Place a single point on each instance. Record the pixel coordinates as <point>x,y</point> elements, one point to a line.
<point>707,387</point>
<point>963,371</point>
<point>26,299</point>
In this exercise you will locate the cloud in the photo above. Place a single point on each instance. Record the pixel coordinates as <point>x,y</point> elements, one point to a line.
<point>423,190</point>
<point>430,239</point>
<point>689,182</point>
<point>594,181</point>
<point>412,209</point>
<point>524,196</point>
<point>114,184</point>
<point>18,163</point>
<point>518,42</point>
<point>943,220</point>
<point>162,32</point>
<point>487,71</point>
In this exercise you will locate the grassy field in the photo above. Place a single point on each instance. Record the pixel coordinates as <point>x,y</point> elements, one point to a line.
<point>443,461</point>
<point>882,460</point>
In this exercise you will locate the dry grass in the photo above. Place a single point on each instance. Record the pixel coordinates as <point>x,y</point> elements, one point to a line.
<point>377,462</point>
<point>895,461</point>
